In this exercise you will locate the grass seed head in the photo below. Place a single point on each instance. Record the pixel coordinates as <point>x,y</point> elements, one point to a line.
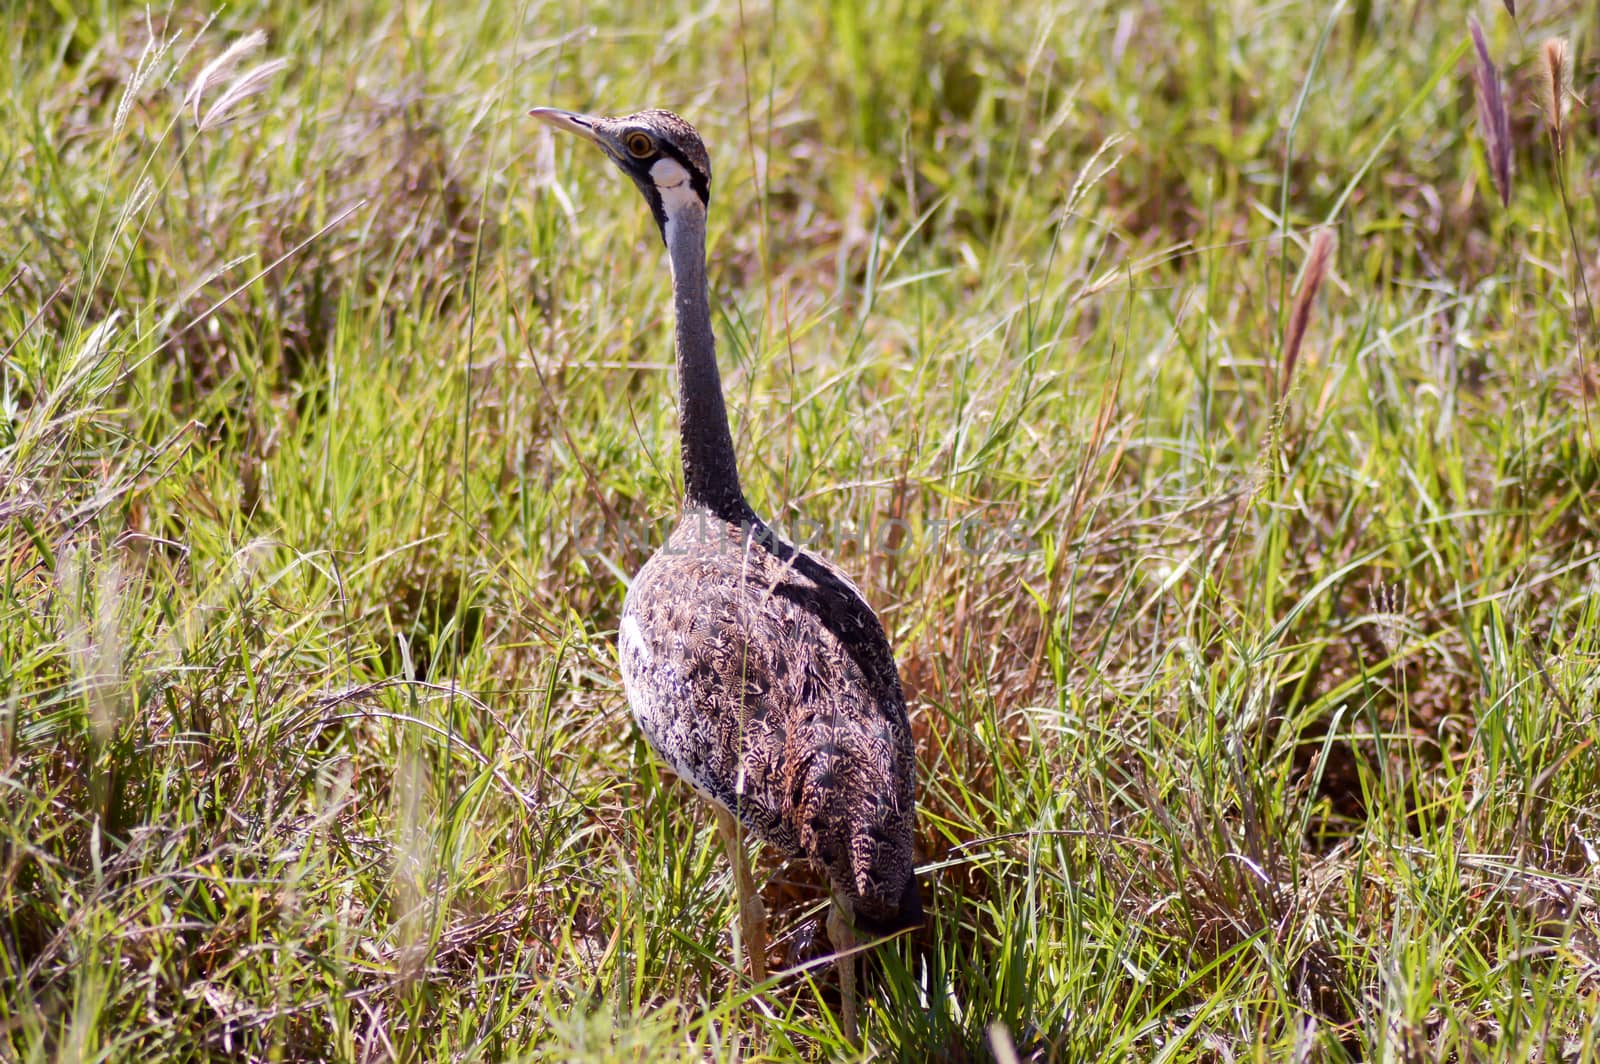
<point>1492,112</point>
<point>151,57</point>
<point>220,67</point>
<point>1555,79</point>
<point>244,86</point>
<point>1388,612</point>
<point>1311,279</point>
<point>91,594</point>
<point>240,89</point>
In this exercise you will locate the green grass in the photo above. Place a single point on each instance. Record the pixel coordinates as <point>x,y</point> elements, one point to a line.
<point>335,421</point>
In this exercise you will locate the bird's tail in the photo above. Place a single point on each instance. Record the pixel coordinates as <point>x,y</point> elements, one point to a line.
<point>886,898</point>
<point>876,918</point>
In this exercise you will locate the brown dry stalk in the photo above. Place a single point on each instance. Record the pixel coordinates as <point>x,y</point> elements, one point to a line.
<point>1311,278</point>
<point>1555,80</point>
<point>1492,112</point>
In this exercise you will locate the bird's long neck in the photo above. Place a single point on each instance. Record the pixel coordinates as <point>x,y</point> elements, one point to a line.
<point>710,473</point>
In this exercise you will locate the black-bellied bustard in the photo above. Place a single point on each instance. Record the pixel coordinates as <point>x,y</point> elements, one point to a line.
<point>755,669</point>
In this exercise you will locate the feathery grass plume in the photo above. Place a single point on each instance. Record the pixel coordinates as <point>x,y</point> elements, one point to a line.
<point>242,88</point>
<point>413,867</point>
<point>544,171</point>
<point>150,57</point>
<point>1001,1045</point>
<point>1311,278</point>
<point>93,635</point>
<point>1555,81</point>
<point>1388,612</point>
<point>220,67</point>
<point>1492,112</point>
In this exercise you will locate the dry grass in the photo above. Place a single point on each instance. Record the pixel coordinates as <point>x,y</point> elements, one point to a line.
<point>1492,119</point>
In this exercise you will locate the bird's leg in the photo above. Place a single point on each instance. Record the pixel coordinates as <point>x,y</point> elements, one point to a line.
<point>752,929</point>
<point>843,937</point>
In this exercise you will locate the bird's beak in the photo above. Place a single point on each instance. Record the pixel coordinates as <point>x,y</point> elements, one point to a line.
<point>570,121</point>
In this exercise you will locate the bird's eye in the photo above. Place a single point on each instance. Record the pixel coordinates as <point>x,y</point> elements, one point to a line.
<point>639,144</point>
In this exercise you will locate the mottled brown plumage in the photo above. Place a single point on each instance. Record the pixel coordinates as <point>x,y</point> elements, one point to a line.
<point>763,678</point>
<point>755,669</point>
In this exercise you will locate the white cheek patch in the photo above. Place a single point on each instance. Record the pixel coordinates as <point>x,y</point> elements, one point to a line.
<point>672,182</point>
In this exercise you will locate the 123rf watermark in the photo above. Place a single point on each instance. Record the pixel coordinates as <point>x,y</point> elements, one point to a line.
<point>975,537</point>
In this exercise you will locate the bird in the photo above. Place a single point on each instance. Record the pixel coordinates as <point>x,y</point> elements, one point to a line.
<point>755,669</point>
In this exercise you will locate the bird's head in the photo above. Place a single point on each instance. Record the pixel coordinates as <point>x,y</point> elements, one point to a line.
<point>660,151</point>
